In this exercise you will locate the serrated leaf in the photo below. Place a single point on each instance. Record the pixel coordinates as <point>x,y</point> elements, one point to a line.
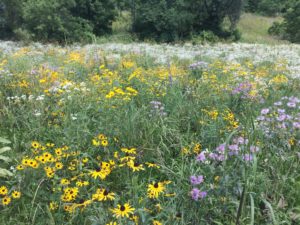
<point>4,149</point>
<point>5,141</point>
<point>5,158</point>
<point>5,173</point>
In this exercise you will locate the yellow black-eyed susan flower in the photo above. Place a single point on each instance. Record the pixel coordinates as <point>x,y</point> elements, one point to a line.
<point>155,189</point>
<point>135,166</point>
<point>85,160</point>
<point>35,144</point>
<point>156,222</point>
<point>6,200</point>
<point>123,210</point>
<point>129,150</point>
<point>102,137</point>
<point>103,195</point>
<point>59,165</point>
<point>104,143</point>
<point>64,181</point>
<point>152,165</point>
<point>53,206</point>
<point>3,190</point>
<point>112,223</point>
<point>58,151</point>
<point>20,167</point>
<point>95,142</point>
<point>16,194</point>
<point>134,218</point>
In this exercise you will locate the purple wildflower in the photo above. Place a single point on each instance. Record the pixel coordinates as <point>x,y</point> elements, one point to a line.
<point>260,118</point>
<point>221,148</point>
<point>197,65</point>
<point>291,104</point>
<point>203,194</point>
<point>248,157</point>
<point>278,103</point>
<point>254,148</point>
<point>212,156</point>
<point>281,118</point>
<point>201,157</point>
<point>296,125</point>
<point>195,193</point>
<point>265,111</point>
<point>196,179</point>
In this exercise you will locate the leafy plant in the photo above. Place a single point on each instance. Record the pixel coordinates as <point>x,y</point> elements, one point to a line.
<point>4,172</point>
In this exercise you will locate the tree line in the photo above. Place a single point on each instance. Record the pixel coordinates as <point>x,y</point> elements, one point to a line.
<point>66,21</point>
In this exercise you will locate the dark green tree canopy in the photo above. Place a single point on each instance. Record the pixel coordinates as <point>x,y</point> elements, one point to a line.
<point>175,19</point>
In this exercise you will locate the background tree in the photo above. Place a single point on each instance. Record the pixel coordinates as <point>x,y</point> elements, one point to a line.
<point>169,20</point>
<point>99,13</point>
<point>292,23</point>
<point>10,17</point>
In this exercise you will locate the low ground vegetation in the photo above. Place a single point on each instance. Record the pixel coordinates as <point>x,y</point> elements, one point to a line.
<point>96,135</point>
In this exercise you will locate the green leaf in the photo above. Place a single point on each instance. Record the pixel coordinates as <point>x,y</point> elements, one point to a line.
<point>5,158</point>
<point>252,209</point>
<point>4,149</point>
<point>5,173</point>
<point>269,206</point>
<point>5,141</point>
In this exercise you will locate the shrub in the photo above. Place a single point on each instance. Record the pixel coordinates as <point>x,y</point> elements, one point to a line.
<point>276,29</point>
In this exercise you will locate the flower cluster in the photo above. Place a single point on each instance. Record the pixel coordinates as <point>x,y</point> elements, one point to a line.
<point>238,147</point>
<point>282,120</point>
<point>7,195</point>
<point>196,193</point>
<point>157,109</point>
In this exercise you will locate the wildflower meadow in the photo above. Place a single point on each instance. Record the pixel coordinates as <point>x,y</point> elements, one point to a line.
<point>149,134</point>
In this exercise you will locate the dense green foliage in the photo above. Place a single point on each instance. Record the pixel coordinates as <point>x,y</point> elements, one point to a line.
<point>77,20</point>
<point>10,17</point>
<point>53,20</point>
<point>268,7</point>
<point>171,20</point>
<point>69,21</point>
<point>290,28</point>
<point>292,23</point>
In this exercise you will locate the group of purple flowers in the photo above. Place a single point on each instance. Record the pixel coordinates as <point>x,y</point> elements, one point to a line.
<point>283,116</point>
<point>198,65</point>
<point>197,193</point>
<point>239,146</point>
<point>243,89</point>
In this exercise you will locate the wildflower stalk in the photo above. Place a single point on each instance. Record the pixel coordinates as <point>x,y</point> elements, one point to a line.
<point>239,213</point>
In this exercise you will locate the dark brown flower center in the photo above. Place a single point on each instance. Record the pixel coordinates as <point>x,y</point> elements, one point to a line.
<point>178,215</point>
<point>156,185</point>
<point>105,192</point>
<point>122,208</point>
<point>136,164</point>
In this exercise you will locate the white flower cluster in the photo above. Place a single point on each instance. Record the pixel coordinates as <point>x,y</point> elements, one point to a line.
<point>17,99</point>
<point>233,52</point>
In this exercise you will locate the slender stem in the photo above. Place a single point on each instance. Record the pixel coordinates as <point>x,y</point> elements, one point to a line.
<point>239,213</point>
